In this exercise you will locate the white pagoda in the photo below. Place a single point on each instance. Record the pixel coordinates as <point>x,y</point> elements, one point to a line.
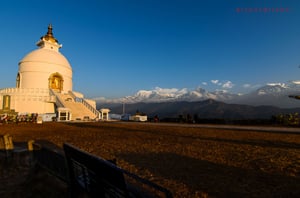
<point>44,86</point>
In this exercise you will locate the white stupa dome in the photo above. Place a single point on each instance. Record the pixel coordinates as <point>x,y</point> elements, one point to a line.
<point>46,56</point>
<point>45,67</point>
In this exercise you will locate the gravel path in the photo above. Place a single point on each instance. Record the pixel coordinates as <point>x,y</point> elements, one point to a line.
<point>189,160</point>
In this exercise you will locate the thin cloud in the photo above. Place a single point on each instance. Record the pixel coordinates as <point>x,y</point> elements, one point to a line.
<point>214,81</point>
<point>204,83</point>
<point>227,85</point>
<point>297,82</point>
<point>246,86</point>
<point>249,86</point>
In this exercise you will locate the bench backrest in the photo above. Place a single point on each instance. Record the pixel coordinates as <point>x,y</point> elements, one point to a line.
<point>93,175</point>
<point>51,157</point>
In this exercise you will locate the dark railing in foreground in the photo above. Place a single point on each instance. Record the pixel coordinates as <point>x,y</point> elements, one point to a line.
<point>93,176</point>
<point>52,158</point>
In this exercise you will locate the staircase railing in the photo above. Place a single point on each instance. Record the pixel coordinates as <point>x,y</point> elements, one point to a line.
<point>58,102</point>
<point>85,103</point>
<point>72,95</point>
<point>91,108</point>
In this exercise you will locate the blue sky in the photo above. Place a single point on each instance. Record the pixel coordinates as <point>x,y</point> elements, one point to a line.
<point>118,47</point>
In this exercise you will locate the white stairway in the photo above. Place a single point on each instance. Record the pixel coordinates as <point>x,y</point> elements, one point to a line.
<point>79,110</point>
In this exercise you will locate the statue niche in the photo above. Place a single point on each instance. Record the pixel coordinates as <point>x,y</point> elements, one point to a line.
<point>56,82</point>
<point>18,81</point>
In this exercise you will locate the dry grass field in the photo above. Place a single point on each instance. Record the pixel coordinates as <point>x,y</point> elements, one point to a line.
<point>189,161</point>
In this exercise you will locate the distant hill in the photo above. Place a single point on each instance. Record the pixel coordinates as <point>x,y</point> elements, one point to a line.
<point>207,109</point>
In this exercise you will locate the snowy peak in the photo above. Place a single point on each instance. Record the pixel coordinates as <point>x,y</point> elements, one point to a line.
<point>275,94</point>
<point>272,88</point>
<point>164,93</point>
<point>157,95</point>
<point>276,89</point>
<point>171,95</point>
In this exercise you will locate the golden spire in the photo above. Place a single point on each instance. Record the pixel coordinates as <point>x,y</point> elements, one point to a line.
<point>49,36</point>
<point>50,30</point>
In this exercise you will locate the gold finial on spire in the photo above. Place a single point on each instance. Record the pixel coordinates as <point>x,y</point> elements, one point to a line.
<point>49,36</point>
<point>50,30</point>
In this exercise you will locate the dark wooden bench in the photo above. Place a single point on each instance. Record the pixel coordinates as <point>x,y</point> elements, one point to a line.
<point>93,176</point>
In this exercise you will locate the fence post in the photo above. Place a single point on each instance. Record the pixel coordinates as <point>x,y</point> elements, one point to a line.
<point>30,145</point>
<point>6,144</point>
<point>31,150</point>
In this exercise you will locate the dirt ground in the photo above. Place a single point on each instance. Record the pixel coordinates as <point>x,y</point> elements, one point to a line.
<point>189,161</point>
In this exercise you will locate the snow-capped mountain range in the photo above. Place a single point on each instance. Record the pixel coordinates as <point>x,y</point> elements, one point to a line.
<point>276,94</point>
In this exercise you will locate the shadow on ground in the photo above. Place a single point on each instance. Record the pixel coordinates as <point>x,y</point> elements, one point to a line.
<point>217,180</point>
